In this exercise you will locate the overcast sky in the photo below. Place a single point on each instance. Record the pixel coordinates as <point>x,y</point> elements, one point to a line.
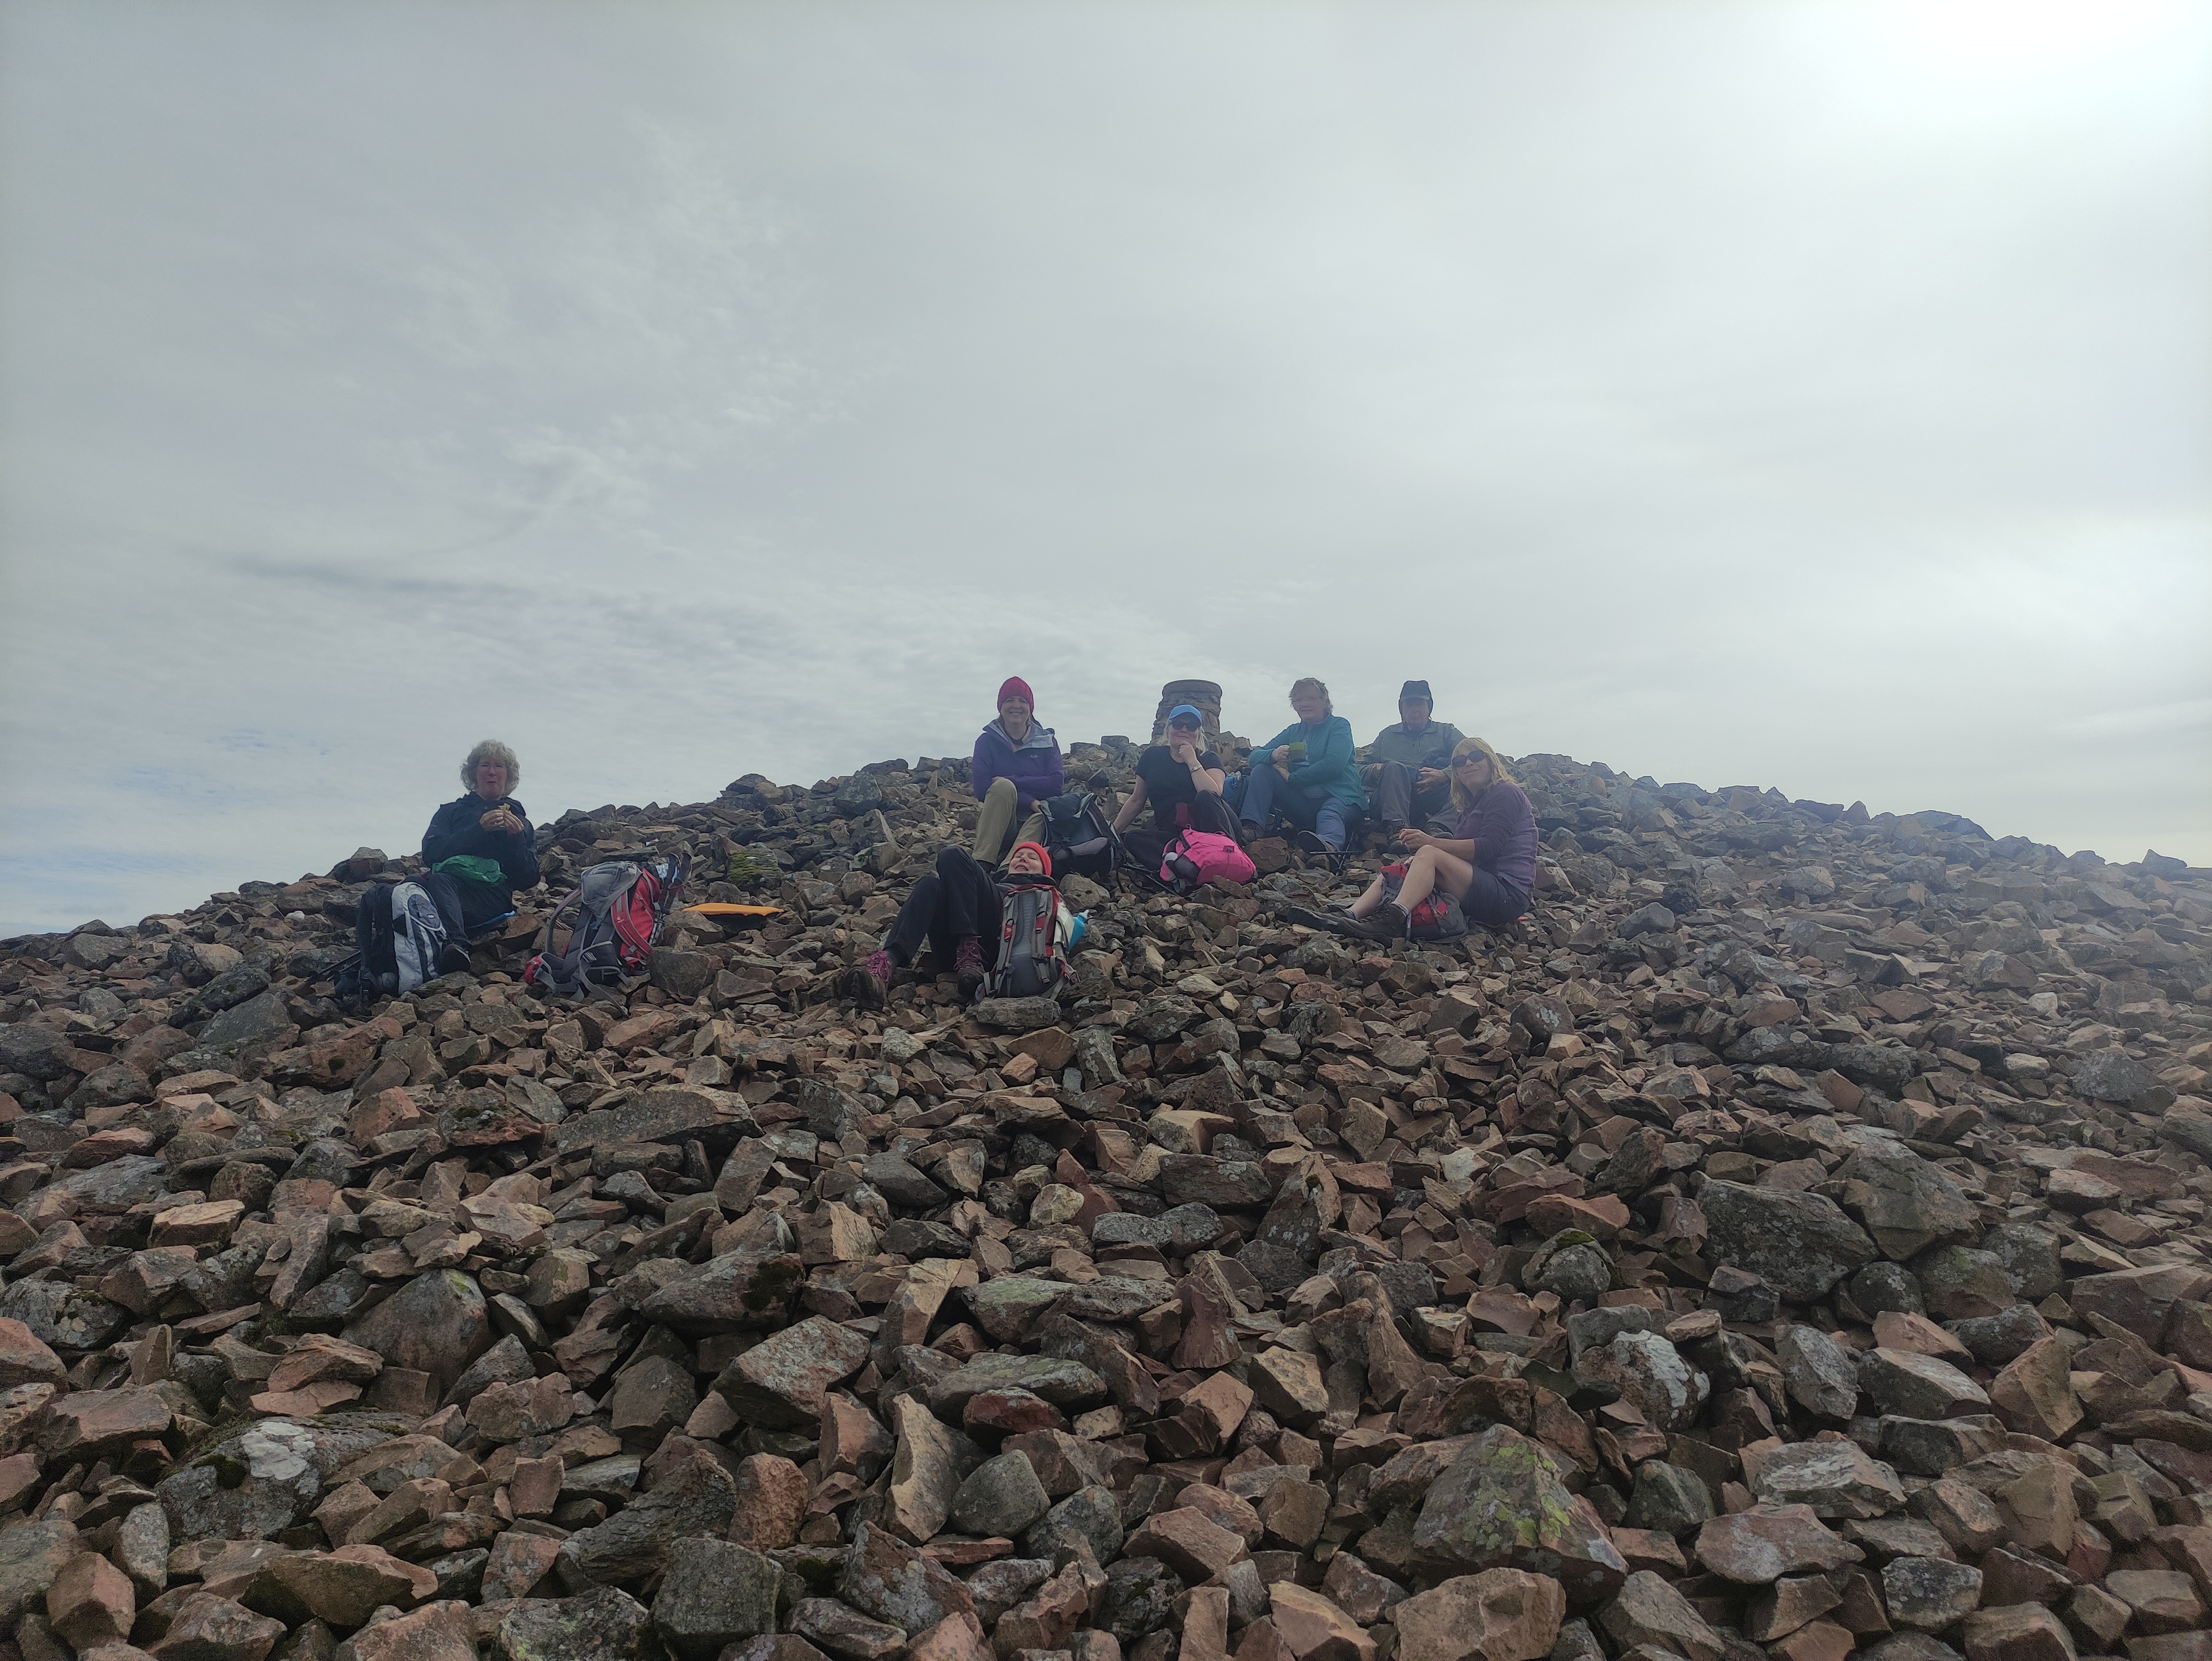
<point>1785,394</point>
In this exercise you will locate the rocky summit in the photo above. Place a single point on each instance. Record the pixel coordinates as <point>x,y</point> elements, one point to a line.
<point>1790,1239</point>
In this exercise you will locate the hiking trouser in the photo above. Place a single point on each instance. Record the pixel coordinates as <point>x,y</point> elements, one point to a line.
<point>1209,814</point>
<point>957,900</point>
<point>1491,902</point>
<point>995,817</point>
<point>1266,791</point>
<point>1399,800</point>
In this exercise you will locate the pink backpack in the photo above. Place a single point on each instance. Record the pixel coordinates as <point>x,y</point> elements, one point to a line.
<point>1202,856</point>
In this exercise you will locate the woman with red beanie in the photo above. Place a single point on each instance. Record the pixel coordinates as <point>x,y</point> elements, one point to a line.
<point>1017,765</point>
<point>958,911</point>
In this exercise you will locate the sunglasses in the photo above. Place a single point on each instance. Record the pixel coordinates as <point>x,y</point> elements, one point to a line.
<point>1182,726</point>
<point>1471,761</point>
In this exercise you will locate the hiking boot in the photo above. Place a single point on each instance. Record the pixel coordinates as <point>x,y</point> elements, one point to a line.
<point>868,983</point>
<point>1335,921</point>
<point>1387,922</point>
<point>967,964</point>
<point>1309,842</point>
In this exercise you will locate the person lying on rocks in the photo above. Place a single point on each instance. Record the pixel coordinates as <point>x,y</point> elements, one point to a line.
<point>483,841</point>
<point>1408,767</point>
<point>958,911</point>
<point>1307,774</point>
<point>1181,780</point>
<point>1488,863</point>
<point>1017,764</point>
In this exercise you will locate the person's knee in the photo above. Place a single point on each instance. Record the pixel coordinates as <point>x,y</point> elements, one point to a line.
<point>1001,790</point>
<point>951,860</point>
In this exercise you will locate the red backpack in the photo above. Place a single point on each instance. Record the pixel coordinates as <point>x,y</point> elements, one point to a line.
<point>1436,918</point>
<point>620,908</point>
<point>1032,959</point>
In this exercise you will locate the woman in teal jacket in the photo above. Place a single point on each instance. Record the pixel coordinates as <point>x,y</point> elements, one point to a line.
<point>1307,772</point>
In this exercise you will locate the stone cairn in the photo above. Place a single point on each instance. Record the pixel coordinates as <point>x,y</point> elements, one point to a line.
<point>1203,695</point>
<point>1789,1239</point>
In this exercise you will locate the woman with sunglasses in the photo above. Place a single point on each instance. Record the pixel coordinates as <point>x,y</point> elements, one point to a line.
<point>1488,863</point>
<point>1181,779</point>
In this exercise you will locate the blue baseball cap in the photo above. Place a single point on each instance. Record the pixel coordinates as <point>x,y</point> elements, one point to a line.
<point>1183,709</point>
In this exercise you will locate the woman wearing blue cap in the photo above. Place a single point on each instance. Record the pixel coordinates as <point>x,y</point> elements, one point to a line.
<point>1181,779</point>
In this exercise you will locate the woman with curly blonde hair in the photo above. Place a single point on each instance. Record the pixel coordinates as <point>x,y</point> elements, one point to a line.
<point>483,841</point>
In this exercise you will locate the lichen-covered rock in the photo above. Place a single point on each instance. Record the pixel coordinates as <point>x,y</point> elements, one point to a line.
<point>1503,1504</point>
<point>604,1622</point>
<point>30,1555</point>
<point>780,1383</point>
<point>713,1593</point>
<point>264,1479</point>
<point>1836,1479</point>
<point>1905,1203</point>
<point>1650,1375</point>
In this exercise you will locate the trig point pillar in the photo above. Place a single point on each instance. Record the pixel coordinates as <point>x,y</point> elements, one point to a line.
<point>1205,694</point>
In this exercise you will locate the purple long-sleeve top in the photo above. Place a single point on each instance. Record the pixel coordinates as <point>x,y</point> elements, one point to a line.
<point>1034,764</point>
<point>1503,827</point>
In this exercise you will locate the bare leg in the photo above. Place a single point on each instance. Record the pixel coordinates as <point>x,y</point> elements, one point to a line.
<point>1367,901</point>
<point>1429,868</point>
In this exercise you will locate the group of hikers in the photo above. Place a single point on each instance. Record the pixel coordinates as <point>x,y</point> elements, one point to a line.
<point>1446,799</point>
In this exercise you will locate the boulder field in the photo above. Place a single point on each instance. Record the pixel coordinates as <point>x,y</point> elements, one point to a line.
<point>1788,1240</point>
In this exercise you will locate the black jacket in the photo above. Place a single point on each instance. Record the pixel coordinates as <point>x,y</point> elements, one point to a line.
<point>453,829</point>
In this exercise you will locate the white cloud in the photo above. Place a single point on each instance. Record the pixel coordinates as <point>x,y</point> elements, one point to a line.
<point>2191,716</point>
<point>1735,394</point>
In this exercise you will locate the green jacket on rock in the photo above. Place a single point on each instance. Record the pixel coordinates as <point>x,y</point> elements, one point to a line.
<point>1330,763</point>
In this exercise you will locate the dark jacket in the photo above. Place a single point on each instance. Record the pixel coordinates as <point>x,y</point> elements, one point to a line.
<point>1033,765</point>
<point>453,829</point>
<point>1432,746</point>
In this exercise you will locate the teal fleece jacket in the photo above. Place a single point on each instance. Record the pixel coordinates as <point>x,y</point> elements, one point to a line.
<point>1330,763</point>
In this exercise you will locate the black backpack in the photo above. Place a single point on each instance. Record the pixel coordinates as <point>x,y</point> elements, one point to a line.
<point>1031,962</point>
<point>404,933</point>
<point>1081,838</point>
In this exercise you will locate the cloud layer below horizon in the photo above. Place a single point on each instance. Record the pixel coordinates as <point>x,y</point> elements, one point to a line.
<point>1807,396</point>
